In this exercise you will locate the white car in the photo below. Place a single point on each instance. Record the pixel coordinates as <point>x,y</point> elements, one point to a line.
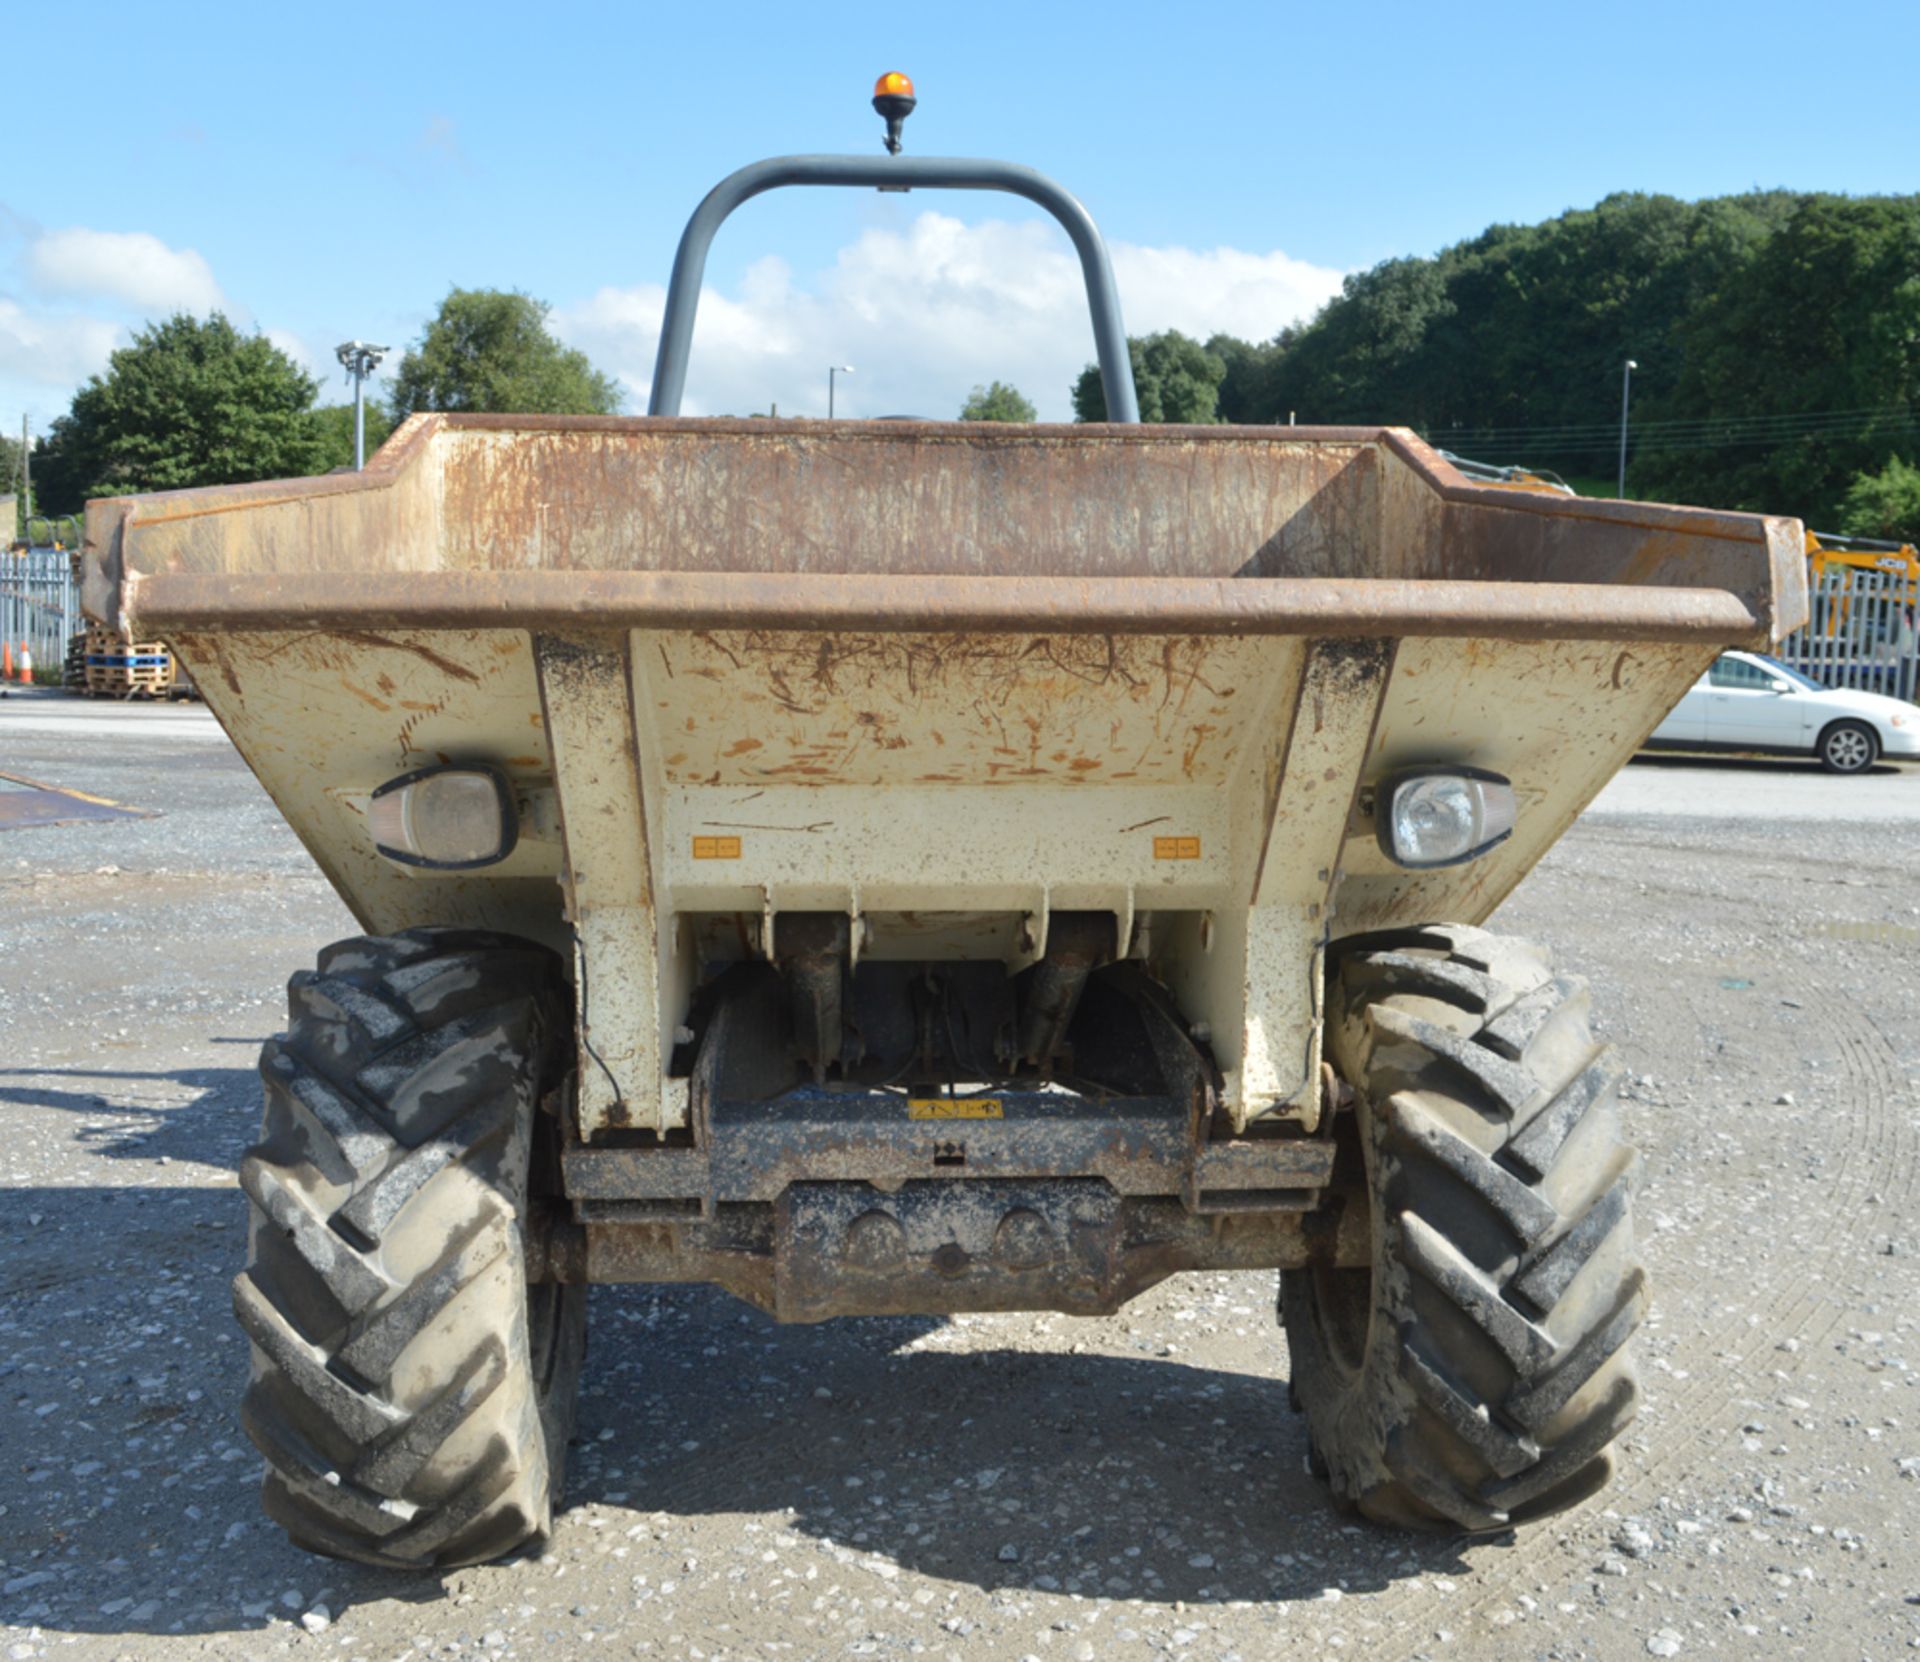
<point>1749,702</point>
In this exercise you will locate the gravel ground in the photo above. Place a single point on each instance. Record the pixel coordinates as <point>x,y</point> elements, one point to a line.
<point>1032,1486</point>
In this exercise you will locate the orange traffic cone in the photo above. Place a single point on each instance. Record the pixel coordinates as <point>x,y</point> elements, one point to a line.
<point>26,663</point>
<point>6,660</point>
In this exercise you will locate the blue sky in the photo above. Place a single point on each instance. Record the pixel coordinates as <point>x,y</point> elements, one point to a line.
<point>324,172</point>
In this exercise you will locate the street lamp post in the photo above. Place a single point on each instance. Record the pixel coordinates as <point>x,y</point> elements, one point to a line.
<point>1626,392</point>
<point>832,371</point>
<point>359,360</point>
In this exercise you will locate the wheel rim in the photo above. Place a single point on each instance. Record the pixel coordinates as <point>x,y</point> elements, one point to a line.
<point>546,1332</point>
<point>1343,1299</point>
<point>1343,1312</point>
<point>1848,749</point>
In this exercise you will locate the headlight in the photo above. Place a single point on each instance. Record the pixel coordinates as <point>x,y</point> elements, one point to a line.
<point>1427,817</point>
<point>449,818</point>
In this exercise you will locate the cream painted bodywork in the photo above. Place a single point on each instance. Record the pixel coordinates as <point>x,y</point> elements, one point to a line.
<point>1256,750</point>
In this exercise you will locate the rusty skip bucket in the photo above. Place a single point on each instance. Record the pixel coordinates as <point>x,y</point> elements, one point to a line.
<point>947,682</point>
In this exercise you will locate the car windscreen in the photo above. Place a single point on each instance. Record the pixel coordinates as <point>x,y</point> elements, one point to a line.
<point>1789,673</point>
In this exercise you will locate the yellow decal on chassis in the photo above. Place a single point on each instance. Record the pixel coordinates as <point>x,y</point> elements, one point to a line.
<point>954,1108</point>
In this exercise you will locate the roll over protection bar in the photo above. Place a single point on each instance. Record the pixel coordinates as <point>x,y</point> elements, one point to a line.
<point>891,173</point>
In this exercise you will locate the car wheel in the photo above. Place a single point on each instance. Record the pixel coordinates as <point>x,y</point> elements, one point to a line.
<point>1849,747</point>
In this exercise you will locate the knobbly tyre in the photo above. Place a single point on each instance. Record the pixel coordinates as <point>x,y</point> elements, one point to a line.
<point>895,867</point>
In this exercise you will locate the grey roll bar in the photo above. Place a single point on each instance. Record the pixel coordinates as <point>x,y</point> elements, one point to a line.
<point>891,173</point>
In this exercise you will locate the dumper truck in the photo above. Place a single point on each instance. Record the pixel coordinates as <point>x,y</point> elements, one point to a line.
<point>898,867</point>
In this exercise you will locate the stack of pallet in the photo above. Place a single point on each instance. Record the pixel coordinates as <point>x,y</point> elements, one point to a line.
<point>101,665</point>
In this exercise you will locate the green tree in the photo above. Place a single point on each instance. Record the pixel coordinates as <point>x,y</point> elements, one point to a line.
<point>997,402</point>
<point>1365,353</point>
<point>1820,333</point>
<point>490,349</point>
<point>1884,504</point>
<point>192,401</point>
<point>1175,378</point>
<point>333,426</point>
<point>1244,389</point>
<point>10,486</point>
<point>1777,336</point>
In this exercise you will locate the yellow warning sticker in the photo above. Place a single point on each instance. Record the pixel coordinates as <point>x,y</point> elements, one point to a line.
<point>1176,848</point>
<point>955,1108</point>
<point>716,848</point>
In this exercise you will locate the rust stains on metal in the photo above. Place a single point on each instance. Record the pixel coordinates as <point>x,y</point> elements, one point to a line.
<point>746,825</point>
<point>411,725</point>
<point>439,660</point>
<point>1327,608</point>
<point>467,520</point>
<point>1197,736</point>
<point>1554,716</point>
<point>1011,709</point>
<point>842,1249</point>
<point>200,649</point>
<point>364,696</point>
<point>758,492</point>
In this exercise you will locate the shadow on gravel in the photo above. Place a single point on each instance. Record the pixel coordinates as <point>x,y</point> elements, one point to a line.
<point>131,1504</point>
<point>1096,1474</point>
<point>215,1126</point>
<point>129,1498</point>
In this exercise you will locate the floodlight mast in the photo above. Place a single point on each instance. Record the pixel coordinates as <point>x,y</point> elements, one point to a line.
<point>359,359</point>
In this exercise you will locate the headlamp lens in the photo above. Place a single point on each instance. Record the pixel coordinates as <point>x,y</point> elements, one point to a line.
<point>1442,818</point>
<point>447,817</point>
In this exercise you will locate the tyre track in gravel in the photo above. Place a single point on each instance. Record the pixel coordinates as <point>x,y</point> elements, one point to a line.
<point>1879,1142</point>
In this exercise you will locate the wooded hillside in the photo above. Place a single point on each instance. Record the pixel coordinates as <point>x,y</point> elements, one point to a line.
<point>1777,337</point>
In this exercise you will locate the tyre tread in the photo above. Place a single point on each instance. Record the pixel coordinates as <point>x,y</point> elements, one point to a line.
<point>414,1431</point>
<point>1495,1373</point>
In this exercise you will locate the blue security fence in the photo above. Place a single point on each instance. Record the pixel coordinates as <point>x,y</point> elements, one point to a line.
<point>40,601</point>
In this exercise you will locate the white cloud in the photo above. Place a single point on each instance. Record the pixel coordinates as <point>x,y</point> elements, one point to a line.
<point>133,267</point>
<point>52,350</point>
<point>301,353</point>
<point>318,357</point>
<point>68,298</point>
<point>926,313</point>
<point>1220,290</point>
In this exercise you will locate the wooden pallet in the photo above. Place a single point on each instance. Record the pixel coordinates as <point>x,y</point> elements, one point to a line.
<point>114,669</point>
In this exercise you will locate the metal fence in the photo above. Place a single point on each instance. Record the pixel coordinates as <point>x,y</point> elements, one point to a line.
<point>39,606</point>
<point>1861,634</point>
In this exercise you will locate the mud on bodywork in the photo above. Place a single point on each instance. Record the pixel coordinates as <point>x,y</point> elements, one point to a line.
<point>941,684</point>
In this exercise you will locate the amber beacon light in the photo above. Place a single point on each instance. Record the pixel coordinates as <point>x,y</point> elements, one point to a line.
<point>893,101</point>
